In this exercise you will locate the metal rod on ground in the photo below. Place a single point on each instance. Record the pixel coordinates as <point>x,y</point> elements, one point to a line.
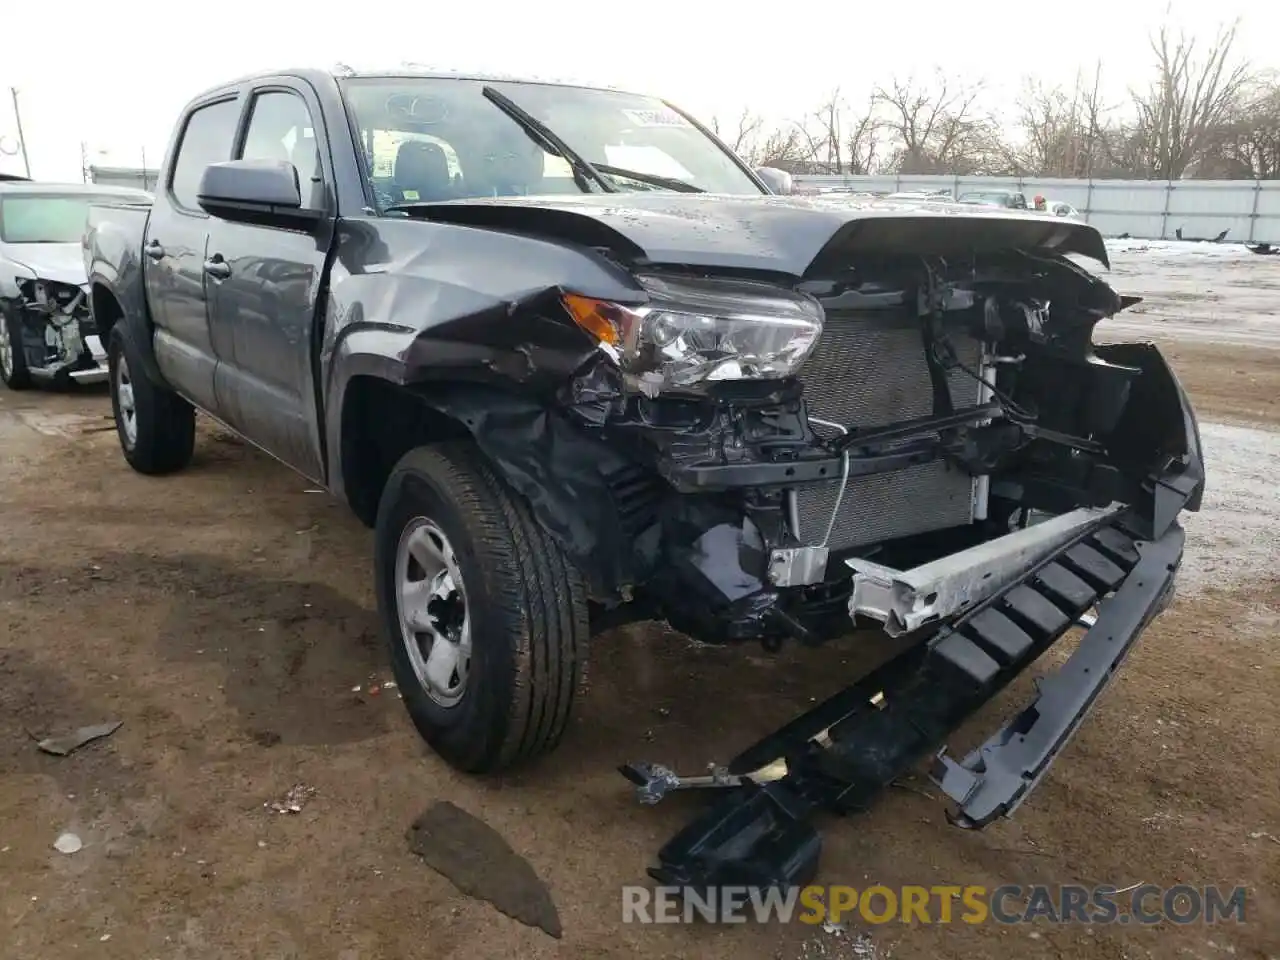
<point>22,137</point>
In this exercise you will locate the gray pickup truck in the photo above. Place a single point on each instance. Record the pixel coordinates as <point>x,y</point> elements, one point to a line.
<point>576,365</point>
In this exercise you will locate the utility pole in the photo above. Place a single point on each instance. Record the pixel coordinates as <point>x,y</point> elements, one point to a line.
<point>22,139</point>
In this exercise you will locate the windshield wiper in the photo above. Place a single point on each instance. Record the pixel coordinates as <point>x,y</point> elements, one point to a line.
<point>671,183</point>
<point>549,140</point>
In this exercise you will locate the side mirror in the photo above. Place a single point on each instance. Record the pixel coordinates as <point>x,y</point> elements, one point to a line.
<point>778,181</point>
<point>255,190</point>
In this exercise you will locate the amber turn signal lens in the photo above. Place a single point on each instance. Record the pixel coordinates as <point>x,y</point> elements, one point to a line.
<point>595,317</point>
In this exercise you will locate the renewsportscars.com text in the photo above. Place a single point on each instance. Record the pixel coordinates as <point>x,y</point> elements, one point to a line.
<point>1144,904</point>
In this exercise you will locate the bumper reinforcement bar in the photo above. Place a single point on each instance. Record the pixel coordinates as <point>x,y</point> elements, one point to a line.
<point>839,755</point>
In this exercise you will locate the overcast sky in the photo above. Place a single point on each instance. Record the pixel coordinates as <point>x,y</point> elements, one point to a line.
<point>115,76</point>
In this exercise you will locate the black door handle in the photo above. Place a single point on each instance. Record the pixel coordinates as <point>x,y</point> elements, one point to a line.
<point>217,268</point>
<point>154,250</point>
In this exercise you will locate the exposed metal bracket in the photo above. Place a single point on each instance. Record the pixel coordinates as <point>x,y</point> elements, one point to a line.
<point>798,566</point>
<point>905,600</point>
<point>654,781</point>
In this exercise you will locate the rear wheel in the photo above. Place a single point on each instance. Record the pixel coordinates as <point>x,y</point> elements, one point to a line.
<point>485,616</point>
<point>156,427</point>
<point>13,359</point>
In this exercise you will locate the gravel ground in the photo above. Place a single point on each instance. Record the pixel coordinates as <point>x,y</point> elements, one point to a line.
<point>225,616</point>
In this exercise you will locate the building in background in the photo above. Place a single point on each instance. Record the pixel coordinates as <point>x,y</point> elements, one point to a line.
<point>143,179</point>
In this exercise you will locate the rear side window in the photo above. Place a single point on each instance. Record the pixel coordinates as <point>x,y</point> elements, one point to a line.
<point>207,139</point>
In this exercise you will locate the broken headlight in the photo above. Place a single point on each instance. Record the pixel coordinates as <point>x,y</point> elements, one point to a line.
<point>693,332</point>
<point>53,296</point>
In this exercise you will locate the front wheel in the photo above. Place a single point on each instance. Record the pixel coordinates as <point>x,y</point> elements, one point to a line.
<point>13,358</point>
<point>485,617</point>
<point>156,427</point>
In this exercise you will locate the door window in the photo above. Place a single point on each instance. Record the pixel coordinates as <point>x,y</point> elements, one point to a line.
<point>280,128</point>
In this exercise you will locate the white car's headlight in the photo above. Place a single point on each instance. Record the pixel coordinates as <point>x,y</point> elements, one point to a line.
<point>694,332</point>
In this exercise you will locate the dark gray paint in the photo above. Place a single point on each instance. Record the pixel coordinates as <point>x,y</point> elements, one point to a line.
<point>771,233</point>
<point>273,348</point>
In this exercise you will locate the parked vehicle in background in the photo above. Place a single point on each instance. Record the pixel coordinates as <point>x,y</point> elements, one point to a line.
<point>576,367</point>
<point>46,330</point>
<point>1060,208</point>
<point>933,196</point>
<point>1009,199</point>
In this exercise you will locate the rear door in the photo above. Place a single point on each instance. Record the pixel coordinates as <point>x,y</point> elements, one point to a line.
<point>266,301</point>
<point>174,254</point>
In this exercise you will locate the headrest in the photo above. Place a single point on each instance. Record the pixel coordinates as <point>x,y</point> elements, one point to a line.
<point>515,164</point>
<point>421,163</point>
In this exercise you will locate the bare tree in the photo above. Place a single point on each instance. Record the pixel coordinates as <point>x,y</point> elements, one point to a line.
<point>1190,101</point>
<point>1062,130</point>
<point>788,148</point>
<point>936,127</point>
<point>1204,113</point>
<point>862,136</point>
<point>1256,140</point>
<point>744,135</point>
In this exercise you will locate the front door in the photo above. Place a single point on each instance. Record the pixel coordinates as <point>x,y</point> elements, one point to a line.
<point>265,302</point>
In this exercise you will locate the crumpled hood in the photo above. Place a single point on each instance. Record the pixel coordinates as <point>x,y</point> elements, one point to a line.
<point>62,262</point>
<point>789,235</point>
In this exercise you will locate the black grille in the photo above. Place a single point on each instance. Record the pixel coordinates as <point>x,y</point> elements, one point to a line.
<point>869,369</point>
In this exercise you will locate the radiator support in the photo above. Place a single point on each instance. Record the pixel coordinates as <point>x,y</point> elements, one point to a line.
<point>868,369</point>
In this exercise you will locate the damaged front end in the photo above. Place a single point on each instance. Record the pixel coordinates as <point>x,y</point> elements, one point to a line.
<point>807,448</point>
<point>959,463</point>
<point>947,455</point>
<point>915,433</point>
<point>51,333</point>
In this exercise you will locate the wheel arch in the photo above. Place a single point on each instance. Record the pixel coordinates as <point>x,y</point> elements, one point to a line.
<point>581,490</point>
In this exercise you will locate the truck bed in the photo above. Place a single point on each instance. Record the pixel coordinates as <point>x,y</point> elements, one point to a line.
<point>113,251</point>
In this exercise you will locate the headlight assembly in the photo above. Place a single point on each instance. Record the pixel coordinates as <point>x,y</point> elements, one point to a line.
<point>694,332</point>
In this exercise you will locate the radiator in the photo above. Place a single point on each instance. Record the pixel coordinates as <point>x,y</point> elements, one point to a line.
<point>869,369</point>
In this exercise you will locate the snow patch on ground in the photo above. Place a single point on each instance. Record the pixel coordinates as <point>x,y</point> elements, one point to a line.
<point>1181,248</point>
<point>1236,534</point>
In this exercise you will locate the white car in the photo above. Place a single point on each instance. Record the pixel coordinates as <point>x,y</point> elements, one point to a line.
<point>46,328</point>
<point>1060,208</point>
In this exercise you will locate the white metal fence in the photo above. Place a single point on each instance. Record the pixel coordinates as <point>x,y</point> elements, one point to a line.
<point>1147,209</point>
<point>1249,210</point>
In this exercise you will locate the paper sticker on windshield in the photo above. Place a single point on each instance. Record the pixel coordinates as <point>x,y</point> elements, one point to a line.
<point>655,118</point>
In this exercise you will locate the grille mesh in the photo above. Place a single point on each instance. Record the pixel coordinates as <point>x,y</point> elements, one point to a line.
<point>869,369</point>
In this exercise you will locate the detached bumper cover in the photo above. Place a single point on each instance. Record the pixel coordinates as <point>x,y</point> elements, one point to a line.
<point>993,780</point>
<point>840,754</point>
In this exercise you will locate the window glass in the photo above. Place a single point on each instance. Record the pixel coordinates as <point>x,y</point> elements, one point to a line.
<point>207,139</point>
<point>386,144</point>
<point>434,139</point>
<point>47,218</point>
<point>280,129</point>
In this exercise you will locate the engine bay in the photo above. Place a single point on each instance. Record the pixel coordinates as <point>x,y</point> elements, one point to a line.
<point>957,402</point>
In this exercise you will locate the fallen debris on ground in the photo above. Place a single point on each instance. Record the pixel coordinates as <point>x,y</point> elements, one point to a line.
<point>62,746</point>
<point>480,863</point>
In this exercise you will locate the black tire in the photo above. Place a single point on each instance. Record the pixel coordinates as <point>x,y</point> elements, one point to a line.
<point>165,424</point>
<point>15,374</point>
<point>526,602</point>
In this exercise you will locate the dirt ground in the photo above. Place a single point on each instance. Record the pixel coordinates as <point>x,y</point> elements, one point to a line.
<point>225,617</point>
